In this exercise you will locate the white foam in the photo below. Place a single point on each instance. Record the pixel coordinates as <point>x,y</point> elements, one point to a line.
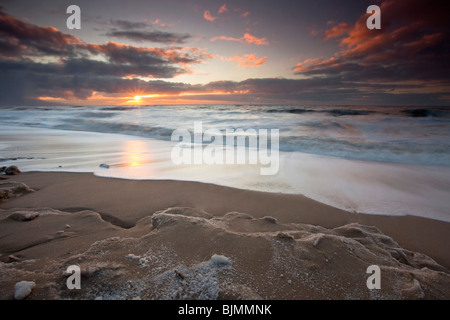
<point>201,281</point>
<point>219,260</point>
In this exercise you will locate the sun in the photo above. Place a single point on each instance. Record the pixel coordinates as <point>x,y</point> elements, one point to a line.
<point>137,98</point>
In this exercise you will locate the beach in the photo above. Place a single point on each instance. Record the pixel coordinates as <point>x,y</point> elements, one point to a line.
<point>241,150</point>
<point>166,239</point>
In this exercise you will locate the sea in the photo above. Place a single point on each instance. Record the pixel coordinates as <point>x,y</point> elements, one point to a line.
<point>375,160</point>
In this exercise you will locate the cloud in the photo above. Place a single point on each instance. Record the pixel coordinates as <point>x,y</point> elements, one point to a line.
<point>254,40</point>
<point>22,40</point>
<point>132,25</point>
<point>207,16</point>
<point>411,48</point>
<point>135,31</point>
<point>18,38</point>
<point>74,69</point>
<point>245,14</point>
<point>337,31</point>
<point>151,36</point>
<point>248,38</point>
<point>248,60</point>
<point>223,9</point>
<point>405,63</point>
<point>129,25</point>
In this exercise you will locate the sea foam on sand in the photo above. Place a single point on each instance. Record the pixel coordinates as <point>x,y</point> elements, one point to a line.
<point>185,253</point>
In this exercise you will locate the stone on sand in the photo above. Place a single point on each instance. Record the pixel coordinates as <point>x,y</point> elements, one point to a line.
<point>24,215</point>
<point>23,289</point>
<point>12,170</point>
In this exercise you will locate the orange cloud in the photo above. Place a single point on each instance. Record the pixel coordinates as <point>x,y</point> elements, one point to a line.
<point>225,38</point>
<point>223,9</point>
<point>316,63</point>
<point>207,15</point>
<point>248,60</point>
<point>338,31</point>
<point>245,14</point>
<point>246,38</point>
<point>252,39</point>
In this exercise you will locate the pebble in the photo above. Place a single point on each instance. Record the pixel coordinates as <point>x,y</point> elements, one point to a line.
<point>23,289</point>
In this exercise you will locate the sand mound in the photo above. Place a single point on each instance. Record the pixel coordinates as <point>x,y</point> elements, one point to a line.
<point>13,189</point>
<point>184,253</point>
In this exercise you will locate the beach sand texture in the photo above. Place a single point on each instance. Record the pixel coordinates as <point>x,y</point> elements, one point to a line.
<point>189,240</point>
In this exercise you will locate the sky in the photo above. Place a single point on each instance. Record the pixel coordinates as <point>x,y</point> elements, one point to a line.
<point>224,52</point>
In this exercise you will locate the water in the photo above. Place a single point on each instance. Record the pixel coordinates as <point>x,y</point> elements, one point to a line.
<point>381,160</point>
<point>390,134</point>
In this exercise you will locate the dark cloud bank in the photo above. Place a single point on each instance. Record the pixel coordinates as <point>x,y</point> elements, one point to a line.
<point>407,62</point>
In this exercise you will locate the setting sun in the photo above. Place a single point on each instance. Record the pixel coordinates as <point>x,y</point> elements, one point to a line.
<point>137,98</point>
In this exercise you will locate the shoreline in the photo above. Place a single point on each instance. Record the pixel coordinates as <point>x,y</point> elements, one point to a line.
<point>128,208</point>
<point>352,185</point>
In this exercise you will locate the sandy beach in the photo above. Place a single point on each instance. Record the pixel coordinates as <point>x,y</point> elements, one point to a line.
<point>189,240</point>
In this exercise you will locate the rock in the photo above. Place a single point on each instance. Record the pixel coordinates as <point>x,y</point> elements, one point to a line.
<point>12,170</point>
<point>2,169</point>
<point>24,215</point>
<point>12,258</point>
<point>104,166</point>
<point>23,289</point>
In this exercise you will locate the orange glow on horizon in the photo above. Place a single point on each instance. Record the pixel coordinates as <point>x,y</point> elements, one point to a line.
<point>138,97</point>
<point>144,98</point>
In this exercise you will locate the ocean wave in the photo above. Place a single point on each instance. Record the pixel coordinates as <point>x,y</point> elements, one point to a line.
<point>396,151</point>
<point>117,128</point>
<point>118,108</point>
<point>335,112</point>
<point>100,115</point>
<point>400,134</point>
